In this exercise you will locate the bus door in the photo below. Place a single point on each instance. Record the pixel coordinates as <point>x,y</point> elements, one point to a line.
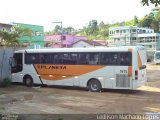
<point>17,66</point>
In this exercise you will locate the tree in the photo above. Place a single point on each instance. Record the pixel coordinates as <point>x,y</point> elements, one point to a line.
<point>93,28</point>
<point>101,24</point>
<point>69,30</point>
<point>147,2</point>
<point>57,30</point>
<point>12,38</point>
<point>157,17</point>
<point>103,31</point>
<point>8,38</point>
<point>135,21</point>
<point>155,25</point>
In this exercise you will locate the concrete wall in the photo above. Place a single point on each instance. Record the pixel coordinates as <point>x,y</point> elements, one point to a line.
<point>5,54</point>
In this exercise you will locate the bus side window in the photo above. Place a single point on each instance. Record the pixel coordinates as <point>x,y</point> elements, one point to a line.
<point>122,59</point>
<point>114,59</point>
<point>104,58</point>
<point>125,59</point>
<point>43,59</point>
<point>93,58</point>
<point>56,59</point>
<point>83,59</point>
<point>74,58</point>
<point>32,58</point>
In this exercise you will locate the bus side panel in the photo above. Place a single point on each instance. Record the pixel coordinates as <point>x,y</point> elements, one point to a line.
<point>109,77</point>
<point>123,77</point>
<point>27,70</point>
<point>139,70</point>
<point>17,77</point>
<point>104,75</point>
<point>30,70</point>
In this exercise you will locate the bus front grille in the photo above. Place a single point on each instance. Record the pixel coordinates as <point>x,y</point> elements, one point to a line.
<point>122,80</point>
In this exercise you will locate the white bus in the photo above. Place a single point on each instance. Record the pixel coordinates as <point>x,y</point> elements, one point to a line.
<point>94,68</point>
<point>157,57</point>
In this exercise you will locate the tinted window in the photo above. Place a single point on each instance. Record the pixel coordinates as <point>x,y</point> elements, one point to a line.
<point>32,58</point>
<point>17,63</point>
<point>89,58</point>
<point>125,59</point>
<point>109,58</point>
<point>116,58</point>
<point>104,58</point>
<point>51,58</point>
<point>93,58</point>
<point>83,58</point>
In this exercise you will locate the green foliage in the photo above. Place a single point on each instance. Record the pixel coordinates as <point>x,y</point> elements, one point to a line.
<point>147,2</point>
<point>7,38</point>
<point>129,23</point>
<point>58,30</point>
<point>12,38</point>
<point>95,30</point>
<point>6,82</point>
<point>135,21</point>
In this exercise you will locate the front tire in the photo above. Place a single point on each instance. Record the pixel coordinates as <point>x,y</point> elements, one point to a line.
<point>28,81</point>
<point>94,85</point>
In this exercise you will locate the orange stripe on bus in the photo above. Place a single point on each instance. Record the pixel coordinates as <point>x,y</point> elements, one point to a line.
<point>139,61</point>
<point>130,49</point>
<point>59,72</point>
<point>129,71</point>
<point>130,67</point>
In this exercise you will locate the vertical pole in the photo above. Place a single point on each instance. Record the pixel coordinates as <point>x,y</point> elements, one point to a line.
<point>61,35</point>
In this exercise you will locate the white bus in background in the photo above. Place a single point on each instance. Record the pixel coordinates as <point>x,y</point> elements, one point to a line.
<point>94,68</point>
<point>157,57</point>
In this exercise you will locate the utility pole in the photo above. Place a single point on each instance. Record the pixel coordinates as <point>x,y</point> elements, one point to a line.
<point>61,32</point>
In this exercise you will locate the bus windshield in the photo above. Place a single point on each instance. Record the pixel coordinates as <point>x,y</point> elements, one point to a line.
<point>16,65</point>
<point>157,55</point>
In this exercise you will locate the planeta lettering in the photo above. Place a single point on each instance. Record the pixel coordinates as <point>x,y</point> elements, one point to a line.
<point>51,67</point>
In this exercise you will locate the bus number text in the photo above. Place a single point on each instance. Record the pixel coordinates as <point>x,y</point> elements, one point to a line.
<point>123,71</point>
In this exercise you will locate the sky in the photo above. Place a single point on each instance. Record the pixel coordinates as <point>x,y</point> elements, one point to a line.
<point>75,13</point>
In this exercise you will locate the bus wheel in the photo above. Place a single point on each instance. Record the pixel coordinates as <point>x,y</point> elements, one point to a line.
<point>28,81</point>
<point>94,85</point>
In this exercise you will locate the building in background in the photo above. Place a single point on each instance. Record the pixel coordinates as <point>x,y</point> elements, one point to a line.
<point>103,42</point>
<point>5,27</point>
<point>37,38</point>
<point>86,43</point>
<point>65,40</point>
<point>133,35</point>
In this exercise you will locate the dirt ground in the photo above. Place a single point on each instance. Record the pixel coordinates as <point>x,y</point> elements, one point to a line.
<point>50,100</point>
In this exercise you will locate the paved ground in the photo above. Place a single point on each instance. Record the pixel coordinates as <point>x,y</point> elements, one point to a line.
<point>21,99</point>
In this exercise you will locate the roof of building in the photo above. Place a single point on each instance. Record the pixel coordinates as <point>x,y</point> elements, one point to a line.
<point>102,42</point>
<point>6,24</point>
<point>94,43</point>
<point>63,35</point>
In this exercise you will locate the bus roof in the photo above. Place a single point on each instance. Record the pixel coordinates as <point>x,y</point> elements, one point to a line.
<point>44,50</point>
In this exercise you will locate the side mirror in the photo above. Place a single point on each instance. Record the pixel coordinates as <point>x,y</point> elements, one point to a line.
<point>10,61</point>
